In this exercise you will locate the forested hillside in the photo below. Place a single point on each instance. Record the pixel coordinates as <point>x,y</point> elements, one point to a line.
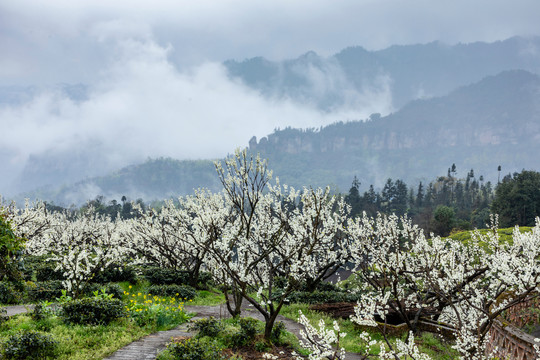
<point>481,126</point>
<point>154,179</point>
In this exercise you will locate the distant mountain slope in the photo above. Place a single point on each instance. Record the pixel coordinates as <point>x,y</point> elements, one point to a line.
<point>493,122</point>
<point>154,179</point>
<point>410,72</point>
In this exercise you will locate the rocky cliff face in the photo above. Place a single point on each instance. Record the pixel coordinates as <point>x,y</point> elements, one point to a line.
<point>464,118</point>
<point>494,122</point>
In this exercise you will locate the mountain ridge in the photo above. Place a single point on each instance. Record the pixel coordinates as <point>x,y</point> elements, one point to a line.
<point>415,71</point>
<point>493,122</point>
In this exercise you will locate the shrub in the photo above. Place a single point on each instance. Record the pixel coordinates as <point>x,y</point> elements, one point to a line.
<point>261,346</point>
<point>115,290</point>
<point>46,290</point>
<point>165,276</point>
<point>41,311</point>
<point>30,345</point>
<point>29,265</point>
<point>3,315</point>
<point>281,283</point>
<point>8,294</point>
<point>111,289</point>
<point>93,311</point>
<point>207,327</point>
<point>179,291</point>
<point>11,247</point>
<point>45,271</point>
<point>116,273</point>
<point>205,281</point>
<point>249,327</point>
<point>277,331</point>
<point>193,349</point>
<point>322,297</point>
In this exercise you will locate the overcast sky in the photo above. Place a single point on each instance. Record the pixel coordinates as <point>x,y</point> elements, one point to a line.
<point>66,40</point>
<point>154,74</point>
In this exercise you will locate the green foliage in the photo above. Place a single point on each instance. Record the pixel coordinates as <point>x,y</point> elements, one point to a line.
<point>207,327</point>
<point>152,310</point>
<point>116,273</point>
<point>41,311</point>
<point>45,271</point>
<point>277,332</point>
<point>30,345</point>
<point>185,292</point>
<point>208,298</point>
<point>448,203</point>
<point>79,342</point>
<point>32,264</point>
<point>249,327</point>
<point>8,293</point>
<point>517,199</point>
<point>11,248</point>
<point>165,276</point>
<point>444,220</point>
<point>45,290</point>
<point>114,290</point>
<point>168,276</point>
<point>3,315</point>
<point>505,235</point>
<point>321,297</point>
<point>92,311</point>
<point>194,349</point>
<point>261,346</point>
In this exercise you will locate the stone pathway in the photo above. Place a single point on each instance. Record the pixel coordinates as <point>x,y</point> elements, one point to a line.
<point>148,347</point>
<point>17,309</point>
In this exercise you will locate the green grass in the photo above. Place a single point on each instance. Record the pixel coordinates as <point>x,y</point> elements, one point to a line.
<point>505,235</point>
<point>77,342</point>
<point>80,342</point>
<point>208,298</point>
<point>433,345</point>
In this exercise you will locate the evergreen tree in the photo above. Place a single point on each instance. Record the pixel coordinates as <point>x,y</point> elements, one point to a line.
<point>517,199</point>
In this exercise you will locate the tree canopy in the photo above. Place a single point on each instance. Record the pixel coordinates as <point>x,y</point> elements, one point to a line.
<point>517,199</point>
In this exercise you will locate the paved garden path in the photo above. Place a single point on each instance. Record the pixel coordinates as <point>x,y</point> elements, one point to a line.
<point>148,347</point>
<point>17,309</point>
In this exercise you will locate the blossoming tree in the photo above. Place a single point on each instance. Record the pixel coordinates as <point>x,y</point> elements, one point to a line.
<point>467,285</point>
<point>179,236</point>
<point>275,232</point>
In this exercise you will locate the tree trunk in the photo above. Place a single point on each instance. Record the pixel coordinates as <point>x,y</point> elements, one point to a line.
<point>194,275</point>
<point>236,308</point>
<point>269,325</point>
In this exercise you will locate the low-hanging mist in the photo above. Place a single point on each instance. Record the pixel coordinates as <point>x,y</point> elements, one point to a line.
<point>141,105</point>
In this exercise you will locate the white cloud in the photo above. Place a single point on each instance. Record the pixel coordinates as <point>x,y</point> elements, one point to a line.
<point>143,106</point>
